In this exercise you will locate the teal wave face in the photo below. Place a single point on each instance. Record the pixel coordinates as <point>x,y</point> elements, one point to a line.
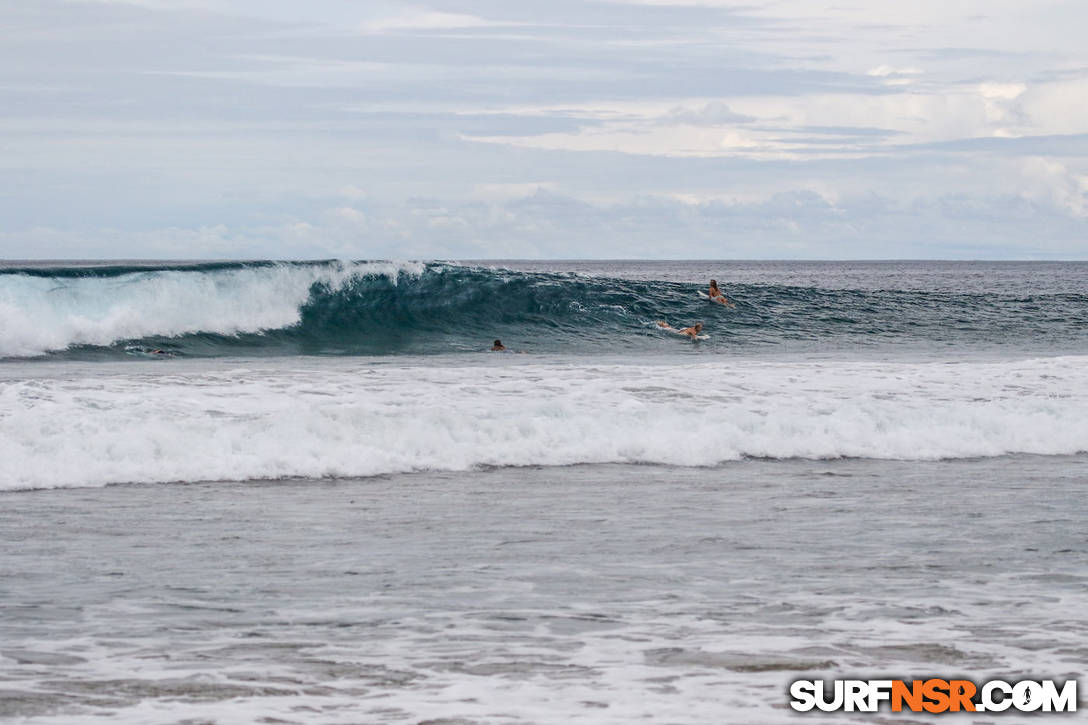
<point>448,308</point>
<point>376,308</point>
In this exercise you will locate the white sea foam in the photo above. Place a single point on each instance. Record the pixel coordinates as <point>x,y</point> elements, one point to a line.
<point>42,314</point>
<point>175,421</point>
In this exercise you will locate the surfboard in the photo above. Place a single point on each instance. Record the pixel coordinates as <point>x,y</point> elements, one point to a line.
<point>708,298</point>
<point>148,352</point>
<point>674,331</point>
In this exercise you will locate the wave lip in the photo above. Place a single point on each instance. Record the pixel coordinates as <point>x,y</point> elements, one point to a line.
<point>338,419</point>
<point>382,308</point>
<point>42,313</point>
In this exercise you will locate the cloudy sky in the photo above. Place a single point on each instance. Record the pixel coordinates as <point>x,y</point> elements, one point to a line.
<point>551,128</point>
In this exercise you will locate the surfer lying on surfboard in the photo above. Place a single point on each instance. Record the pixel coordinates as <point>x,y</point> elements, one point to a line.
<point>692,332</point>
<point>716,295</point>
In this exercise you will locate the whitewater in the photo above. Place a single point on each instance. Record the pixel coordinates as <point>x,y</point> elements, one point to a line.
<point>53,310</point>
<point>119,310</point>
<point>306,492</point>
<point>331,417</point>
<point>143,372</point>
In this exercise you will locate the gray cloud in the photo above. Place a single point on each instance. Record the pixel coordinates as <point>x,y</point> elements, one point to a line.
<point>797,224</point>
<point>234,129</point>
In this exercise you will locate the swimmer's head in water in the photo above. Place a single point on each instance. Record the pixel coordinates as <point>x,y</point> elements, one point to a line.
<point>498,343</point>
<point>698,327</point>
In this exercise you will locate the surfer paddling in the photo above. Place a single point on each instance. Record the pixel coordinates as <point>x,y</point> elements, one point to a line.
<point>692,332</point>
<point>498,346</point>
<point>715,294</point>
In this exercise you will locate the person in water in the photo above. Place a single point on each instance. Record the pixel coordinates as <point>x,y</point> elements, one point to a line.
<point>716,295</point>
<point>498,346</point>
<point>691,332</point>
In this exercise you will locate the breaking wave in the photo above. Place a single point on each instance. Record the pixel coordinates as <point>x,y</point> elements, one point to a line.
<point>382,308</point>
<point>341,418</point>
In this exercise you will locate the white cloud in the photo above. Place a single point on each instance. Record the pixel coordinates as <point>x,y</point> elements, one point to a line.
<point>883,71</point>
<point>353,193</point>
<point>1050,181</point>
<point>1001,91</point>
<point>713,113</point>
<point>756,125</point>
<point>808,222</point>
<point>507,191</point>
<point>283,128</point>
<point>350,215</point>
<point>422,19</point>
<point>1057,107</point>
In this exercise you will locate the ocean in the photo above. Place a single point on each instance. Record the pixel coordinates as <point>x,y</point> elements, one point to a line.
<point>306,492</point>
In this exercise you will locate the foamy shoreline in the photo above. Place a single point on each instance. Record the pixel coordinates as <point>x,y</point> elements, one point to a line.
<point>586,594</point>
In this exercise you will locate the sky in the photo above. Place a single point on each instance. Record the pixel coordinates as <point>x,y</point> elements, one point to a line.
<point>475,129</point>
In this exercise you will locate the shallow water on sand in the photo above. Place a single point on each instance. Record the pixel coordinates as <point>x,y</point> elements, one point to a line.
<point>603,594</point>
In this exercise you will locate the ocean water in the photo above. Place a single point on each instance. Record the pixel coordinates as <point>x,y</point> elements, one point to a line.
<point>304,492</point>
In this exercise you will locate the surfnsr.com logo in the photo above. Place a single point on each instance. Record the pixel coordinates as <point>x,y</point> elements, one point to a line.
<point>934,695</point>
